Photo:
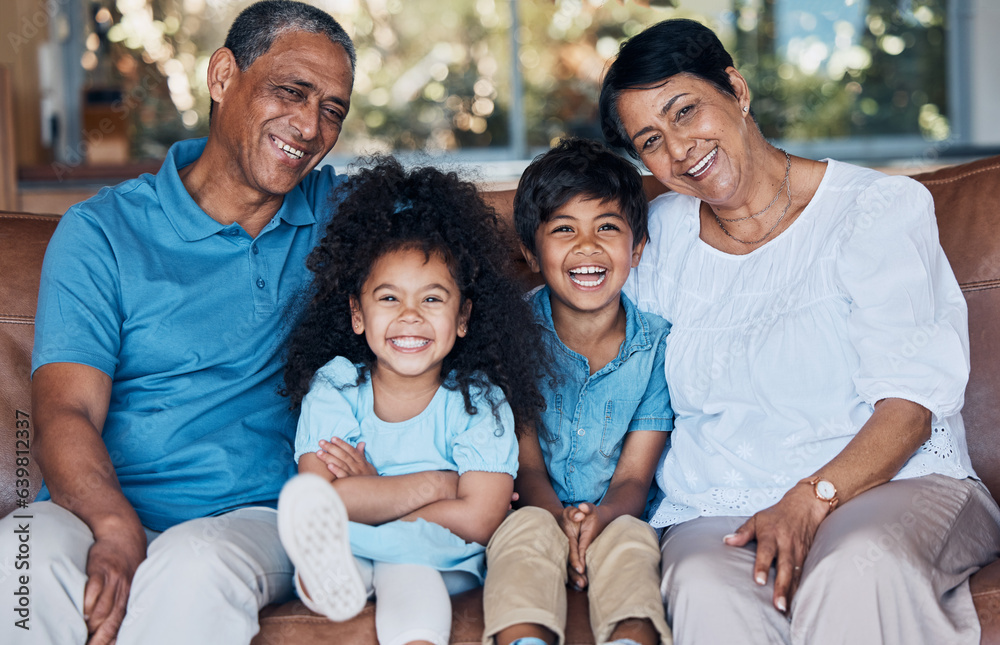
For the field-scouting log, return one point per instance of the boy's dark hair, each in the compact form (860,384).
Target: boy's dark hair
(578,167)
(385,208)
(648,59)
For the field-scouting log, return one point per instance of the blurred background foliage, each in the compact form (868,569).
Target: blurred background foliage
(505,78)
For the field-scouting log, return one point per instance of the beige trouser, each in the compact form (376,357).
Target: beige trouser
(889,566)
(526,576)
(203,581)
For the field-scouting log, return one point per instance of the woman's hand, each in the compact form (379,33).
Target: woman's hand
(344,460)
(784,534)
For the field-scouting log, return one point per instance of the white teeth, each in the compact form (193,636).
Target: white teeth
(588,270)
(698,167)
(589,283)
(292,151)
(409,343)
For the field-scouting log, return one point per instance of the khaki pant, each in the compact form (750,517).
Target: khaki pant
(526,576)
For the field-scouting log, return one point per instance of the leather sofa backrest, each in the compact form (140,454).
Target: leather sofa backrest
(967,198)
(22,245)
(967,202)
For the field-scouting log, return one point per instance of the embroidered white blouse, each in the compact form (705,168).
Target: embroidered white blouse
(776,358)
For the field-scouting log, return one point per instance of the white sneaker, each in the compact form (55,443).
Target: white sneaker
(312,524)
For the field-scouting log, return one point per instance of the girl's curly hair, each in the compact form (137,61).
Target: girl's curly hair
(384,208)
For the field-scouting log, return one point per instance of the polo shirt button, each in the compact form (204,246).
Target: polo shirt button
(260,283)
(581,432)
(256,250)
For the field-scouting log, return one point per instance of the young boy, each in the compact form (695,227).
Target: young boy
(584,476)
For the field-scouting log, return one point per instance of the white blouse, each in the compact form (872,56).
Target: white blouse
(776,357)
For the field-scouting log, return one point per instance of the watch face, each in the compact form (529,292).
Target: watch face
(825,490)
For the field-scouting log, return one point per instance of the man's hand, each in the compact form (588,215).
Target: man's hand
(344,460)
(784,534)
(111,565)
(581,524)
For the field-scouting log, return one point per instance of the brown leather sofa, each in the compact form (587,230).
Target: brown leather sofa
(968,207)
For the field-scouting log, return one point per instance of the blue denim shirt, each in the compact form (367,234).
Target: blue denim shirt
(588,415)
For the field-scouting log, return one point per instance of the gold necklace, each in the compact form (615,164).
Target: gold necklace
(788,191)
(788,167)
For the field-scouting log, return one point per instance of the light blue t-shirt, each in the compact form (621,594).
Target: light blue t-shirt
(588,415)
(189,318)
(442,437)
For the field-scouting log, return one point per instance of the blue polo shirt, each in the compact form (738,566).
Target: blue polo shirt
(189,319)
(588,415)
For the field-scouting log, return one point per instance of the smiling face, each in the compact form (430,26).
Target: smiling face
(584,251)
(282,115)
(410,311)
(694,138)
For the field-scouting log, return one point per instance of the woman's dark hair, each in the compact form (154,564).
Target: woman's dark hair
(578,167)
(385,208)
(648,59)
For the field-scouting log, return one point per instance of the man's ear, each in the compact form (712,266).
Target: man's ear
(637,251)
(531,259)
(357,319)
(463,319)
(222,69)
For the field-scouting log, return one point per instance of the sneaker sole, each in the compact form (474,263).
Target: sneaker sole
(312,525)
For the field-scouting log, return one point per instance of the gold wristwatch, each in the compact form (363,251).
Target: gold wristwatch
(824,490)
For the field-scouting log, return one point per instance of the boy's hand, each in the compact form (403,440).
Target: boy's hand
(344,460)
(582,524)
(577,572)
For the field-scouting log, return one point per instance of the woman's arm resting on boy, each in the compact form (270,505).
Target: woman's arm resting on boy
(627,493)
(374,500)
(481,505)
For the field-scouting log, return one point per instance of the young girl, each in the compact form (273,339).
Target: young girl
(411,365)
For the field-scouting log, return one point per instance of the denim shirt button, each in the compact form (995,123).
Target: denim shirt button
(581,432)
(260,283)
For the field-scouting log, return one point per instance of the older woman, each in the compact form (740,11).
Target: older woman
(818,488)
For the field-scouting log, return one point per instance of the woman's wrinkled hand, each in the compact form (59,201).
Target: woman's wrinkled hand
(784,534)
(344,460)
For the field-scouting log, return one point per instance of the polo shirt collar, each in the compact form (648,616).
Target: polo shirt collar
(188,219)
(636,326)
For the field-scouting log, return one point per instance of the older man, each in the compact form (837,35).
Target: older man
(164,305)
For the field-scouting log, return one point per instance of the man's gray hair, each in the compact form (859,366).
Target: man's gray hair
(256,28)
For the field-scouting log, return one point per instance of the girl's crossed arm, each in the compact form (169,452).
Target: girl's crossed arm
(374,500)
(478,509)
